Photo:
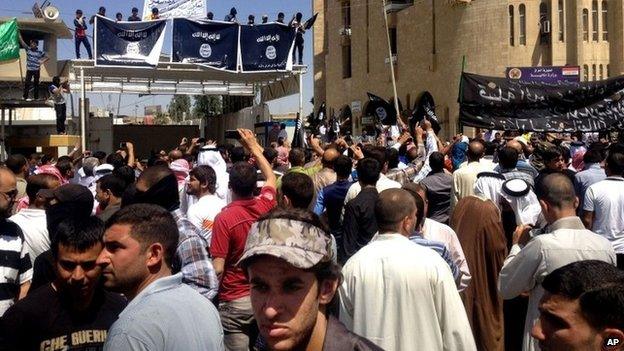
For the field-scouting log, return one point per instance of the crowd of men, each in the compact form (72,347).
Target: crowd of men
(506,241)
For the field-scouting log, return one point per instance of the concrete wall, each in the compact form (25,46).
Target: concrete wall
(245,118)
(432,38)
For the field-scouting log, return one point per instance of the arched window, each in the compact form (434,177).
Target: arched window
(605,21)
(561,14)
(594,72)
(595,20)
(512,24)
(608,71)
(601,70)
(585,25)
(585,73)
(522,17)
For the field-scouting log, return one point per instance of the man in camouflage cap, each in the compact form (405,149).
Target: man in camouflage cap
(288,260)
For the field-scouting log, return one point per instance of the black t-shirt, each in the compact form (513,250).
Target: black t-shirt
(44,321)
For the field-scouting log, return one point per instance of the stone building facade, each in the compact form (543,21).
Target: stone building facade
(430,38)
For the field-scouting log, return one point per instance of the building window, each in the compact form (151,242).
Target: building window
(608,71)
(561,21)
(594,72)
(544,23)
(346,61)
(512,32)
(605,22)
(595,20)
(601,72)
(393,41)
(346,14)
(585,73)
(585,25)
(522,17)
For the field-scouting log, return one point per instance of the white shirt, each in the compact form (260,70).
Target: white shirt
(436,231)
(464,180)
(489,188)
(606,200)
(525,268)
(203,213)
(33,224)
(382,184)
(402,296)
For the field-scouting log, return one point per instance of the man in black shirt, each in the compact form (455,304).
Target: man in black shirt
(74,312)
(359,223)
(135,15)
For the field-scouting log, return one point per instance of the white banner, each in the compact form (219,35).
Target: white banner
(175,8)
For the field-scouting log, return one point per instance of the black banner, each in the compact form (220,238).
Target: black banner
(136,44)
(209,43)
(382,109)
(267,47)
(498,103)
(425,109)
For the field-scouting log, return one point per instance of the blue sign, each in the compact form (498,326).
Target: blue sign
(546,74)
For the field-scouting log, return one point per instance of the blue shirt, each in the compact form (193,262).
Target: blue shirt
(32,59)
(167,315)
(593,173)
(332,198)
(440,248)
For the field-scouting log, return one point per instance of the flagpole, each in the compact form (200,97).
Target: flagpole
(394,88)
(461,86)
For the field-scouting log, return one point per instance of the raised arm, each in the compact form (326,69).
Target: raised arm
(22,42)
(248,140)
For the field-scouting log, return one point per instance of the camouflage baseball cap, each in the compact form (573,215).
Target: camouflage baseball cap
(299,243)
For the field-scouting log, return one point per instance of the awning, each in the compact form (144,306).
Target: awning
(170,78)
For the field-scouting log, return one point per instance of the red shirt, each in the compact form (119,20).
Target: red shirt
(229,234)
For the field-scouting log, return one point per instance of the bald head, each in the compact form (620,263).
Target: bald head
(329,156)
(558,191)
(175,155)
(516,145)
(6,177)
(475,150)
(8,185)
(392,207)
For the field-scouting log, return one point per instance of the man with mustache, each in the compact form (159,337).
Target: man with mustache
(73,312)
(293,278)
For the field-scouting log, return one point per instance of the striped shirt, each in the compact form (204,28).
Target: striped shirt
(441,249)
(14,263)
(192,258)
(32,59)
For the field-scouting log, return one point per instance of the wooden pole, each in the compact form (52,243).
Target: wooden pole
(394,88)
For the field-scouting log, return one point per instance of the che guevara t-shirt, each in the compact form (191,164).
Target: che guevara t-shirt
(43,321)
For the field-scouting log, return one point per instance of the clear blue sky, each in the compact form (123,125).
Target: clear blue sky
(22,8)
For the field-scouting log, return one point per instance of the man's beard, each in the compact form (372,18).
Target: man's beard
(6,212)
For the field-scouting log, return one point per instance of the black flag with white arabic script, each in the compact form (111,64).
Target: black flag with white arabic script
(425,109)
(382,109)
(135,44)
(207,43)
(502,104)
(267,47)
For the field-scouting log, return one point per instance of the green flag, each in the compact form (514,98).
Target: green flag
(9,44)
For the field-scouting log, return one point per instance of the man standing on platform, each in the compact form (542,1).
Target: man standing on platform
(80,34)
(34,59)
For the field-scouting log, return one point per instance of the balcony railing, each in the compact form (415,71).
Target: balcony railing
(398,5)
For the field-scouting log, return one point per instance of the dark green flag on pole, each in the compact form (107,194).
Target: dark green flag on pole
(9,44)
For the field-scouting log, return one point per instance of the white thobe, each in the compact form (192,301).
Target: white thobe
(402,296)
(525,268)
